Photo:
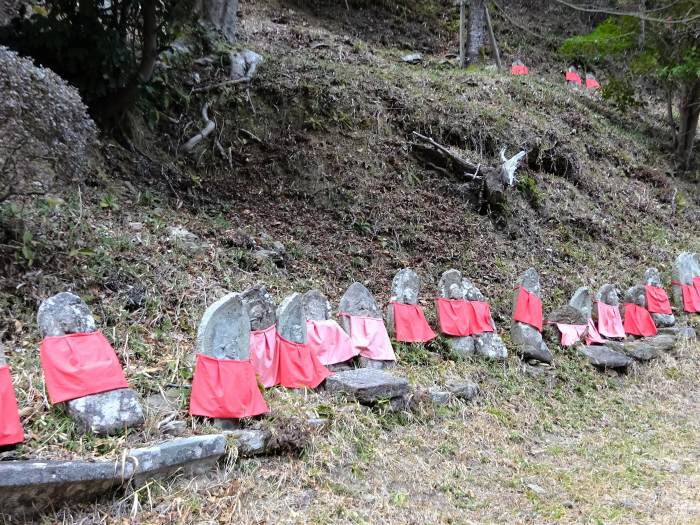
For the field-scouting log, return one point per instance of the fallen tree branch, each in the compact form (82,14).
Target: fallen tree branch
(209,126)
(218,85)
(470,170)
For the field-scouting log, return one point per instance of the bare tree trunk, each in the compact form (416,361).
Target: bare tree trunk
(461,34)
(492,37)
(477,19)
(642,24)
(117,102)
(220,15)
(689,110)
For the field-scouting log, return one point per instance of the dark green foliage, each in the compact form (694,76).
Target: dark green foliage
(612,37)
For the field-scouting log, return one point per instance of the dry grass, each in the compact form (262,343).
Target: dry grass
(571,446)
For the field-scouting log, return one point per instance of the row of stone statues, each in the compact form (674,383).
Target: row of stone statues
(244,341)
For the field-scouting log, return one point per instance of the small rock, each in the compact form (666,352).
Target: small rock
(463,391)
(440,397)
(412,58)
(107,413)
(605,357)
(185,238)
(174,428)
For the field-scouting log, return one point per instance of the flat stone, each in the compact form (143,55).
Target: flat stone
(529,343)
(604,357)
(645,349)
(30,487)
(366,362)
(405,287)
(107,413)
(412,58)
(259,306)
(687,333)
(439,397)
(224,331)
(367,385)
(291,319)
(316,306)
(357,300)
(464,391)
(250,443)
(582,300)
(64,313)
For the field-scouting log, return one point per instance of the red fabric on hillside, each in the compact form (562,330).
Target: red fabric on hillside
(519,70)
(571,333)
(528,309)
(11,431)
(263,355)
(225,388)
(480,317)
(370,338)
(610,321)
(299,365)
(410,324)
(572,76)
(592,83)
(77,365)
(691,297)
(329,342)
(638,321)
(657,300)
(593,337)
(453,316)
(462,318)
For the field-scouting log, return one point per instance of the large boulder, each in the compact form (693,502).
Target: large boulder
(45,128)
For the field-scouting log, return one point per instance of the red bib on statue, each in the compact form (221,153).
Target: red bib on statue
(329,342)
(657,300)
(519,70)
(77,365)
(610,321)
(592,83)
(263,355)
(691,296)
(10,426)
(572,76)
(299,366)
(638,321)
(593,337)
(528,309)
(461,318)
(571,333)
(226,389)
(369,338)
(410,324)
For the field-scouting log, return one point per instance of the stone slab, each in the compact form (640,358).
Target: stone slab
(367,385)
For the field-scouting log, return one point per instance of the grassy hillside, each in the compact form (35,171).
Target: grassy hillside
(317,153)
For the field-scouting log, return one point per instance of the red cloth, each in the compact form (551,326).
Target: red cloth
(225,388)
(691,296)
(462,318)
(329,342)
(572,76)
(610,321)
(11,431)
(519,70)
(369,338)
(657,300)
(263,355)
(299,366)
(571,333)
(592,83)
(528,309)
(410,323)
(593,337)
(638,321)
(77,365)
